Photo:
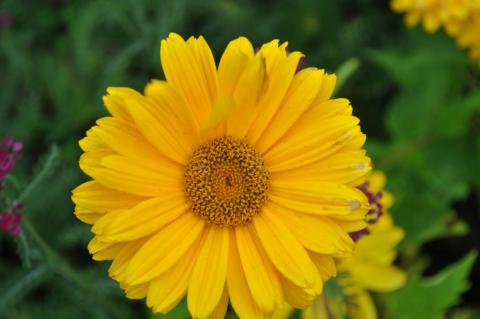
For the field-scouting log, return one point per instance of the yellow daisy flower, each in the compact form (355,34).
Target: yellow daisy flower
(468,35)
(369,269)
(230,184)
(460,18)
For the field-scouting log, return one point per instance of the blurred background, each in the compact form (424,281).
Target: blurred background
(417,95)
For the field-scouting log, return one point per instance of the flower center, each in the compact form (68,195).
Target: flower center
(226,182)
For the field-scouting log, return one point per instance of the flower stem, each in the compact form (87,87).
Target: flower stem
(61,266)
(53,259)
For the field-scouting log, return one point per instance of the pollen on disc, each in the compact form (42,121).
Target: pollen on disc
(226,182)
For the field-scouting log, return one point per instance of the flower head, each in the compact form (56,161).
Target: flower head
(378,198)
(460,18)
(9,154)
(10,221)
(234,183)
(5,19)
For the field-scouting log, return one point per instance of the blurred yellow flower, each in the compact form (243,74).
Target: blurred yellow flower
(460,18)
(234,184)
(369,269)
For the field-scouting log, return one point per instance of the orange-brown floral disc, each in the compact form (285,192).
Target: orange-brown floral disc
(226,182)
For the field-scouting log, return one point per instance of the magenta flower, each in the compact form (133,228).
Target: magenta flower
(5,19)
(375,212)
(10,221)
(9,154)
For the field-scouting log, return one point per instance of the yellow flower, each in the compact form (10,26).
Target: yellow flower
(370,268)
(460,18)
(230,184)
(468,35)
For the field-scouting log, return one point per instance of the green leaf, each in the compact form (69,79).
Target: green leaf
(344,72)
(458,118)
(410,114)
(466,314)
(45,168)
(412,67)
(179,312)
(21,285)
(431,296)
(421,213)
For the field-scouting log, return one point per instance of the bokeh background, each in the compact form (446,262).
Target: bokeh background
(417,95)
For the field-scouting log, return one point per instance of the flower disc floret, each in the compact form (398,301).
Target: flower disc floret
(226,182)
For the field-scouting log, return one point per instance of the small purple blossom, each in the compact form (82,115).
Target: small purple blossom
(5,19)
(10,221)
(356,235)
(376,210)
(9,154)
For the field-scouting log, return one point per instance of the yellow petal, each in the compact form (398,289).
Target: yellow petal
(379,246)
(115,102)
(215,125)
(118,173)
(412,18)
(246,96)
(208,278)
(190,69)
(273,53)
(362,306)
(86,215)
(284,313)
(296,296)
(165,97)
(166,291)
(164,249)
(165,125)
(376,181)
(221,309)
(92,142)
(318,198)
(431,23)
(238,290)
(96,197)
(299,97)
(125,139)
(121,261)
(320,310)
(145,218)
(262,279)
(356,224)
(325,265)
(321,110)
(135,292)
(378,278)
(285,252)
(318,234)
(104,251)
(327,88)
(92,160)
(310,141)
(343,167)
(280,71)
(235,58)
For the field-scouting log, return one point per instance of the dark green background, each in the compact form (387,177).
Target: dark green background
(417,96)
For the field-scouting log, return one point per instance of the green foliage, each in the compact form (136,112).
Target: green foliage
(429,154)
(416,94)
(180,312)
(432,296)
(44,169)
(20,285)
(345,71)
